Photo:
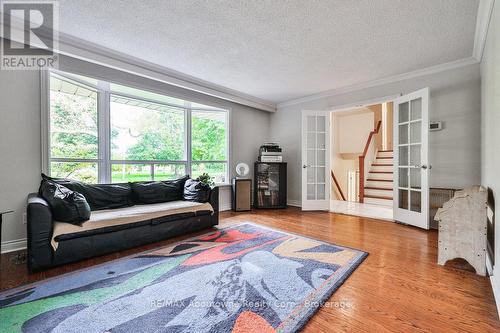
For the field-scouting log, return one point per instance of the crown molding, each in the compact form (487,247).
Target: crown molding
(391,79)
(482,23)
(87,51)
(75,47)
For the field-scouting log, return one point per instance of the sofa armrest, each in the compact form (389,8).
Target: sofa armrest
(214,201)
(40,229)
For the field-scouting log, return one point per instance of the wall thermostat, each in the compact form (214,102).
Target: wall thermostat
(436,126)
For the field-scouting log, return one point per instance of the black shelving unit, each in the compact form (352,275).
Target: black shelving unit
(270,185)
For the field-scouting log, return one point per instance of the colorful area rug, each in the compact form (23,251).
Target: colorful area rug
(239,279)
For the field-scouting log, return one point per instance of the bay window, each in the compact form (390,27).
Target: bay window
(104,132)
(208,144)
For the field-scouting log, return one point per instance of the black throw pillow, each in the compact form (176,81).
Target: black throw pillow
(66,205)
(99,196)
(178,184)
(158,191)
(152,192)
(194,190)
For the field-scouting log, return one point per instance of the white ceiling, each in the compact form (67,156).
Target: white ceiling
(279,50)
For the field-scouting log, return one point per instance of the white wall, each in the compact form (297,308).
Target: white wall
(490,127)
(454,151)
(20,162)
(20,152)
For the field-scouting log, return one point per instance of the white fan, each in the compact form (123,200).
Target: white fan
(242,169)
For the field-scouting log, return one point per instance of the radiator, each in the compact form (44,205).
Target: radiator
(437,198)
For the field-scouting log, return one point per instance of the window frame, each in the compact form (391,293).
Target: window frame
(104,161)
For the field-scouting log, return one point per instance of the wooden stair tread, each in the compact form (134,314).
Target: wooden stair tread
(386,151)
(381,164)
(378,197)
(381,172)
(384,157)
(378,180)
(378,188)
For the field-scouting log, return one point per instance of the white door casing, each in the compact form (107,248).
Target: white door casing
(411,159)
(316,181)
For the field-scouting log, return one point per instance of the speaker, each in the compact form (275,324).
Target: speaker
(242,195)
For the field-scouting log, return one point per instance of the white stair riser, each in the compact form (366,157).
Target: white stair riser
(381,168)
(370,183)
(383,161)
(380,184)
(385,153)
(382,202)
(379,193)
(386,176)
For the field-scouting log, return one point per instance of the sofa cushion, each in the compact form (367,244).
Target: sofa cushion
(196,191)
(101,221)
(157,191)
(99,196)
(66,205)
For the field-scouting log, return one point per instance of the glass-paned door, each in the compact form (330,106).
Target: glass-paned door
(411,162)
(315,160)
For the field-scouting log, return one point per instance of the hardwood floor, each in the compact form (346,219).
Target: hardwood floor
(398,288)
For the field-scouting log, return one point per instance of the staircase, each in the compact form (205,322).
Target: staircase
(378,185)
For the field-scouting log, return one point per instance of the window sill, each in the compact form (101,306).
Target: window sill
(223,185)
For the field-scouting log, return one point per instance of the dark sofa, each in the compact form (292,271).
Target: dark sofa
(71,248)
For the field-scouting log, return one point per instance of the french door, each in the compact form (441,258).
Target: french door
(411,159)
(316,180)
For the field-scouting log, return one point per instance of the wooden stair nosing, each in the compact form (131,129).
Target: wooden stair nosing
(378,197)
(386,151)
(383,157)
(387,172)
(378,180)
(381,164)
(378,188)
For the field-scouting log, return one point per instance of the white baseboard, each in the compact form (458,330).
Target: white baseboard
(225,207)
(495,285)
(295,203)
(489,264)
(494,280)
(14,245)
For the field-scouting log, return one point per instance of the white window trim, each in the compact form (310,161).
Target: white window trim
(104,160)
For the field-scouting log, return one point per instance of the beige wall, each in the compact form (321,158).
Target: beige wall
(377,116)
(350,131)
(340,164)
(377,112)
(353,131)
(390,124)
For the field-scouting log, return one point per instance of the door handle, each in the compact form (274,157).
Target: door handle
(425,167)
(305,166)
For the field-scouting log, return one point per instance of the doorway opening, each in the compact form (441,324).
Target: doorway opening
(361,159)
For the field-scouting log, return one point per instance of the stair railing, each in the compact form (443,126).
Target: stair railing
(365,163)
(337,185)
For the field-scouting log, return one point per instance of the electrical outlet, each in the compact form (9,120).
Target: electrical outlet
(25,218)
